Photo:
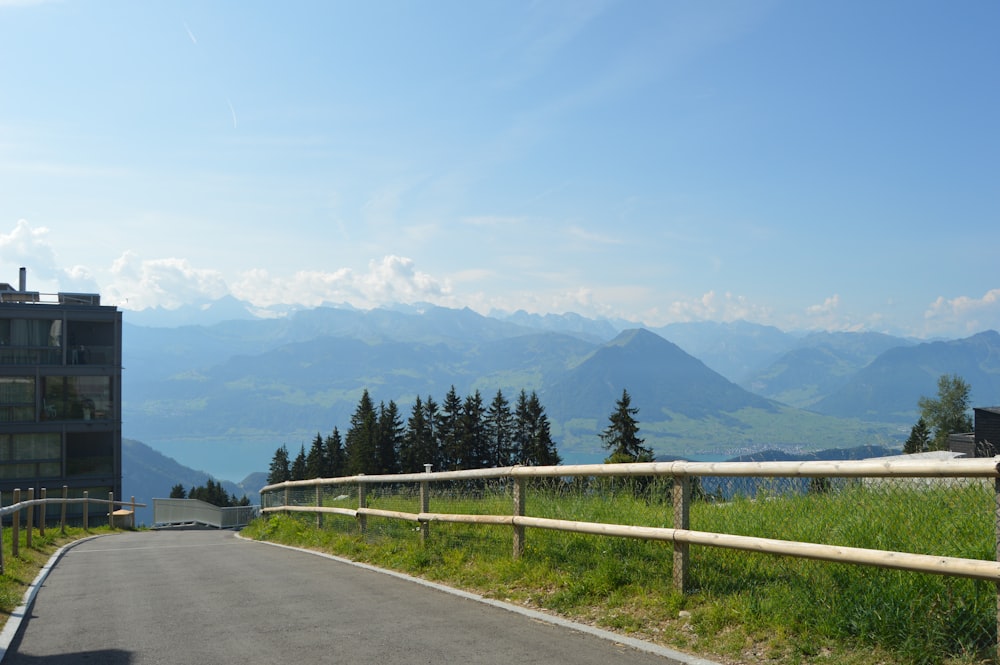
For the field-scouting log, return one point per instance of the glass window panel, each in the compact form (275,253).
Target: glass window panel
(50,469)
(16,471)
(37,446)
(17,389)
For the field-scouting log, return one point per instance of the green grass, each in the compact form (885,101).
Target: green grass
(20,571)
(742,607)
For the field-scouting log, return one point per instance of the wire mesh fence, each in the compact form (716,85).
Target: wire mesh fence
(949,518)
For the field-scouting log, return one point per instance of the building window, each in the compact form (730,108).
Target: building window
(31,342)
(89,453)
(17,399)
(91,343)
(29,456)
(77,397)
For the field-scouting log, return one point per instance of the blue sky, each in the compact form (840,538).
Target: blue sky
(805,164)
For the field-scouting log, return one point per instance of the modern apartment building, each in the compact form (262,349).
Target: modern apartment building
(60,395)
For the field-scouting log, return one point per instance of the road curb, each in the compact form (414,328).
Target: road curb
(677,657)
(16,618)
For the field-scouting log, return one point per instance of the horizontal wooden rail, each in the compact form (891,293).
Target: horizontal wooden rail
(894,468)
(680,535)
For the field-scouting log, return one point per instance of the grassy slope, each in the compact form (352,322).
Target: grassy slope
(744,607)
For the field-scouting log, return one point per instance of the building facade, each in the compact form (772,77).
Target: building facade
(60,395)
(984,440)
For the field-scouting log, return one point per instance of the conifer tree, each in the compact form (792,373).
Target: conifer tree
(280,469)
(473,453)
(316,458)
(433,450)
(621,436)
(919,440)
(360,444)
(532,433)
(177,492)
(417,446)
(335,463)
(498,424)
(449,430)
(390,435)
(299,464)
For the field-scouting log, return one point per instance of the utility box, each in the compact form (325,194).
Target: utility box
(123,519)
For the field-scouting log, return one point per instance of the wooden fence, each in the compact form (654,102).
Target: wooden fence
(985,471)
(27,506)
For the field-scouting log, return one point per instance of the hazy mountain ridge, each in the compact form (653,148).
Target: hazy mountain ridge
(890,385)
(818,365)
(254,385)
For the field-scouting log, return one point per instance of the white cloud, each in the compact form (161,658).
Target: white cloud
(963,315)
(393,279)
(168,283)
(710,306)
(29,247)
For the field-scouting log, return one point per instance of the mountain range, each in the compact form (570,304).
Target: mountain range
(225,394)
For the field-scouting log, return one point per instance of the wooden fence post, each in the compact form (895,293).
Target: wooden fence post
(319,504)
(42,510)
(30,520)
(518,512)
(15,543)
(1,536)
(111,510)
(425,505)
(62,516)
(362,503)
(682,520)
(996,522)
(86,510)
(131,518)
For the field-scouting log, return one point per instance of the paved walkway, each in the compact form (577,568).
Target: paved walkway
(210,597)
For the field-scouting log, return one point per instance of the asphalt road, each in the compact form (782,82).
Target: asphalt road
(211,598)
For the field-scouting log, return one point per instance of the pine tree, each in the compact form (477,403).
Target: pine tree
(299,465)
(177,492)
(473,453)
(335,464)
(360,445)
(621,436)
(449,430)
(280,470)
(390,434)
(533,433)
(949,413)
(919,440)
(417,446)
(521,431)
(498,424)
(315,466)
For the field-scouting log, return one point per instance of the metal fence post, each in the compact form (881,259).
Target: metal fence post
(518,512)
(682,520)
(362,503)
(15,542)
(111,510)
(86,510)
(42,510)
(132,516)
(62,516)
(425,505)
(30,518)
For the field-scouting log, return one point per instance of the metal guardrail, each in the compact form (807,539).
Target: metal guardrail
(183,512)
